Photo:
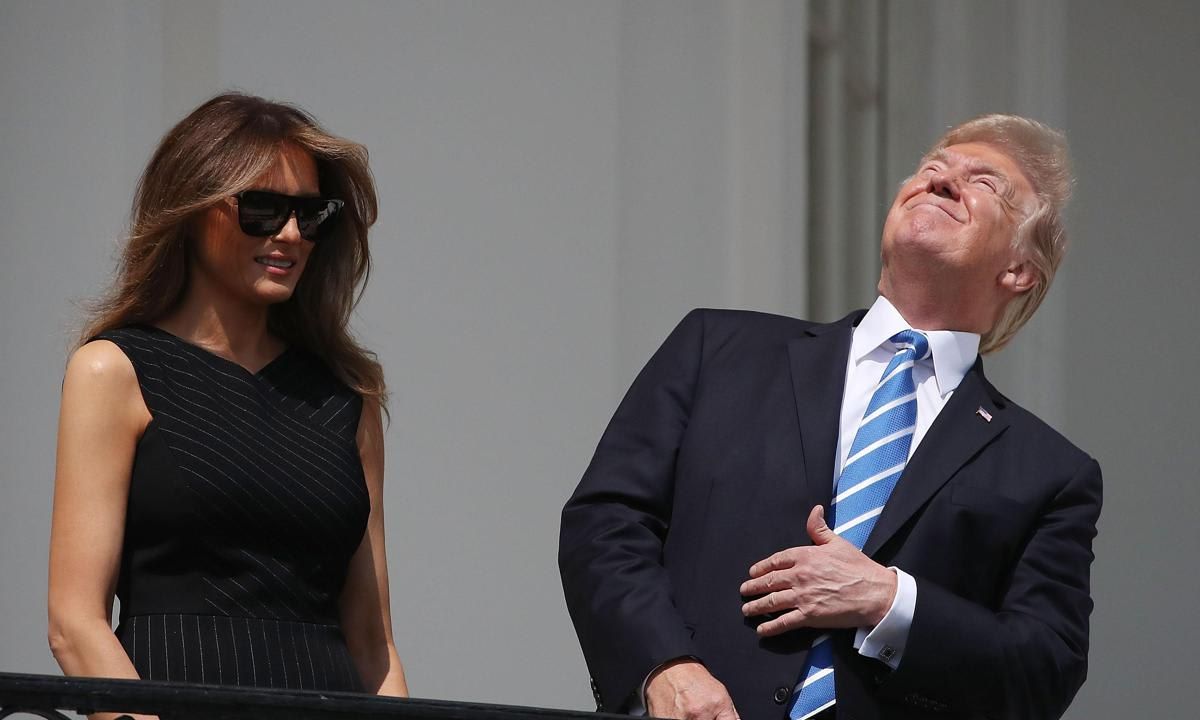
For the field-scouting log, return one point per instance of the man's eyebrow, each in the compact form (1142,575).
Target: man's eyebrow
(938,155)
(983,166)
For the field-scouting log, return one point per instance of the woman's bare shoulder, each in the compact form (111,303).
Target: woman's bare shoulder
(101,362)
(100,372)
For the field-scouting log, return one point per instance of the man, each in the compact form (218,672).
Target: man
(697,554)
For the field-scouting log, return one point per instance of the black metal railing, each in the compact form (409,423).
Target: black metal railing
(49,696)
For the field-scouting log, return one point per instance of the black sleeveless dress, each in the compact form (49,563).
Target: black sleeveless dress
(246,502)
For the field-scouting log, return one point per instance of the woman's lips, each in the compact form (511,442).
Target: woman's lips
(276,265)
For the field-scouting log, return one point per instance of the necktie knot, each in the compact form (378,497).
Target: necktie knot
(913,340)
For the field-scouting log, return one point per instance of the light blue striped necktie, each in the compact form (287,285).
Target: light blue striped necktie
(875,462)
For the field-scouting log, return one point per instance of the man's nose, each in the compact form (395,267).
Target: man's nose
(944,184)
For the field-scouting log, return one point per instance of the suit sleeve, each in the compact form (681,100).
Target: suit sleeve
(614,526)
(1028,658)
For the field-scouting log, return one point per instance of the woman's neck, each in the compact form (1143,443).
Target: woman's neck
(225,327)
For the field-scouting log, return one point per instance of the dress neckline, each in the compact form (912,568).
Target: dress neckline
(212,356)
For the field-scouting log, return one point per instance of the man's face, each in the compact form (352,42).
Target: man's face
(955,220)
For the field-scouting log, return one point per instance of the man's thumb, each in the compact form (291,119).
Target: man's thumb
(817,529)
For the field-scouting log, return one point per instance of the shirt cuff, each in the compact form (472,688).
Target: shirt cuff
(885,642)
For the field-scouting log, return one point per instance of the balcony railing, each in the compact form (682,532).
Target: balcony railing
(49,696)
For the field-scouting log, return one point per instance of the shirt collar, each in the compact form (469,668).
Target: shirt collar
(953,352)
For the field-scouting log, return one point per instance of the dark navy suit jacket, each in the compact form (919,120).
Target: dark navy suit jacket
(713,461)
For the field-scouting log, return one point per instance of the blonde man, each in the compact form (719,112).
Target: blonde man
(791,519)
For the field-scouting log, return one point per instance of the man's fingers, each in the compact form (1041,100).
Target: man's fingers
(717,705)
(779,561)
(783,623)
(727,713)
(720,707)
(774,602)
(764,584)
(721,710)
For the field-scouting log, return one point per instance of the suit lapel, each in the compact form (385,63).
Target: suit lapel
(818,364)
(958,434)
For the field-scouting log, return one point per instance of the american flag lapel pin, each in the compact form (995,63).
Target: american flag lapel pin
(984,414)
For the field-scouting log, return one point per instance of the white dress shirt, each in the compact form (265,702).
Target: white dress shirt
(953,354)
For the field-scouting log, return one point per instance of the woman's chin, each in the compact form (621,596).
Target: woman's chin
(273,293)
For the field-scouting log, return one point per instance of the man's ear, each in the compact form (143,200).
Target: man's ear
(1020,277)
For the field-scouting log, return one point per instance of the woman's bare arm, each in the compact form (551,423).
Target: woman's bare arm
(365,606)
(101,418)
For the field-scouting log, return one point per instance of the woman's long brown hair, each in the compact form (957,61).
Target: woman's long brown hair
(221,148)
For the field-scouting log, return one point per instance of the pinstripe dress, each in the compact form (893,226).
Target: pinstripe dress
(246,502)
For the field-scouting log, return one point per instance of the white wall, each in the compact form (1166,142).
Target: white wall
(1131,341)
(74,129)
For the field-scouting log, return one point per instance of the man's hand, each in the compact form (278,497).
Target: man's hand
(685,689)
(831,584)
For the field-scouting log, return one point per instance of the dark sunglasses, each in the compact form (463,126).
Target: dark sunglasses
(262,213)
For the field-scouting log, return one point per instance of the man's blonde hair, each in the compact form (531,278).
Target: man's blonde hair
(1040,152)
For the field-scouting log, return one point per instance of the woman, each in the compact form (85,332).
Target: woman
(220,447)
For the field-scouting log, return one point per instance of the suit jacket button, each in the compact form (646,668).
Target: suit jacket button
(782,694)
(596,696)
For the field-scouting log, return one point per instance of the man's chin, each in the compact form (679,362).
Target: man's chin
(918,249)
